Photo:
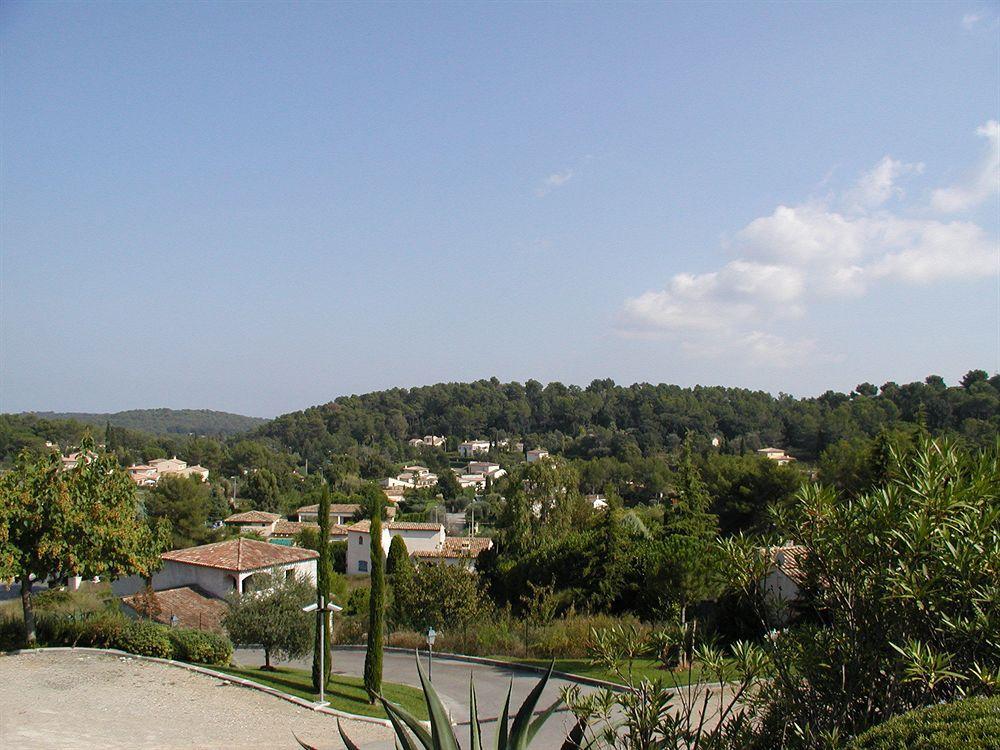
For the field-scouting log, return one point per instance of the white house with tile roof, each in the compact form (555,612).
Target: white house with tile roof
(221,568)
(424,542)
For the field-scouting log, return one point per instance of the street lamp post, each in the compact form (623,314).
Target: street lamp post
(431,635)
(327,608)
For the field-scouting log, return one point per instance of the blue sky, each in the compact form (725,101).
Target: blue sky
(259,207)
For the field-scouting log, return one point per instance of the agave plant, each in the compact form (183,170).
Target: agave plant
(411,734)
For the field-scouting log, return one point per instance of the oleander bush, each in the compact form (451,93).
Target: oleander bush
(971,724)
(200,646)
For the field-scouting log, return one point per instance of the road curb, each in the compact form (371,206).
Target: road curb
(242,682)
(512,665)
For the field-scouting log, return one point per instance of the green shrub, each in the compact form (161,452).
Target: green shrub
(145,638)
(200,646)
(11,632)
(971,724)
(99,629)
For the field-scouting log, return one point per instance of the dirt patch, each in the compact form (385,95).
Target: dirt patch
(74,701)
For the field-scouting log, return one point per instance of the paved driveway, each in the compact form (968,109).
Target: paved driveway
(451,680)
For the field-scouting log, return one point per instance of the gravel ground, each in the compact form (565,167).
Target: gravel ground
(72,701)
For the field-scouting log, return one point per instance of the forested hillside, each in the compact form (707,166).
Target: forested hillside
(166,421)
(605,419)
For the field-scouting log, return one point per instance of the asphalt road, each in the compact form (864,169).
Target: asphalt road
(451,680)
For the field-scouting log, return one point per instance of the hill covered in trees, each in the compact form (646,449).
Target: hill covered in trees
(606,419)
(165,421)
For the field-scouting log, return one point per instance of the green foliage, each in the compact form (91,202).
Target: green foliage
(338,557)
(262,490)
(398,561)
(272,618)
(439,596)
(358,601)
(200,646)
(376,606)
(184,502)
(970,724)
(906,578)
(166,421)
(85,521)
(146,639)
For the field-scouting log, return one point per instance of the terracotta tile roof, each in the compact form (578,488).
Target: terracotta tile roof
(252,516)
(291,528)
(364,526)
(193,607)
(240,555)
(338,508)
(458,547)
(789,559)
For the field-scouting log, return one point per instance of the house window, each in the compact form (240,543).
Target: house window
(289,574)
(362,566)
(359,540)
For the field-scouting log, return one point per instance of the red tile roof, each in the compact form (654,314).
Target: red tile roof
(364,526)
(339,508)
(458,547)
(193,607)
(291,528)
(789,559)
(252,516)
(240,555)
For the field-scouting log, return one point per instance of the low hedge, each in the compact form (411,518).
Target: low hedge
(971,724)
(200,646)
(111,629)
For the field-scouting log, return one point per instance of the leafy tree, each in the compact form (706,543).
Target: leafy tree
(972,377)
(447,484)
(323,591)
(376,608)
(272,618)
(185,503)
(85,521)
(262,489)
(338,557)
(440,596)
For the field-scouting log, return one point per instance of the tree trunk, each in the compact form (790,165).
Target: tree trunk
(29,612)
(267,658)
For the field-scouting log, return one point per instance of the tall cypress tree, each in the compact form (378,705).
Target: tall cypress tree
(323,581)
(376,607)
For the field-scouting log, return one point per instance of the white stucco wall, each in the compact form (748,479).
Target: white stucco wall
(215,581)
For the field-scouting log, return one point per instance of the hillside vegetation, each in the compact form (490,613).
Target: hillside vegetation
(606,419)
(165,421)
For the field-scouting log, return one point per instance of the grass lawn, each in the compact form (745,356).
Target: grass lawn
(648,668)
(344,693)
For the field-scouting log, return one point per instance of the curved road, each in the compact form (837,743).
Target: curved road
(451,680)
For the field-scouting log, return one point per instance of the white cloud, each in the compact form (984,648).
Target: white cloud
(878,185)
(803,253)
(969,20)
(553,181)
(983,182)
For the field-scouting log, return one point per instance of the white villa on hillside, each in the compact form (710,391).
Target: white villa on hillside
(221,568)
(775,454)
(258,521)
(423,541)
(470,448)
(428,441)
(147,475)
(340,514)
(536,454)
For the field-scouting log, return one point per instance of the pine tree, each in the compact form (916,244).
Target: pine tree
(323,580)
(690,514)
(376,608)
